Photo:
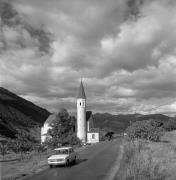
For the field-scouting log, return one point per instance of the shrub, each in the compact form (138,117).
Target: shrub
(23,143)
(170,125)
(148,129)
(4,147)
(103,138)
(109,135)
(71,140)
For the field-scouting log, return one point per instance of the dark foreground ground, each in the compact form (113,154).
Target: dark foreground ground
(94,163)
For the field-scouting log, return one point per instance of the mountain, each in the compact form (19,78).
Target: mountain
(119,123)
(18,114)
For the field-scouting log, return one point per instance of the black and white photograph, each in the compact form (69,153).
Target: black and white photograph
(87,90)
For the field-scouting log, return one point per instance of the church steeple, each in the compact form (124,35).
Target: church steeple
(81,94)
(81,114)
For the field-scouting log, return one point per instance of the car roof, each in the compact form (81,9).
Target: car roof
(61,148)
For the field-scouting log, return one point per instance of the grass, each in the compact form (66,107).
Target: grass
(143,160)
(18,168)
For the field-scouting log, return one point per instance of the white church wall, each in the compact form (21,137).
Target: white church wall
(44,131)
(92,137)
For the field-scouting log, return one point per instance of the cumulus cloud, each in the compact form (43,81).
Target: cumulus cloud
(124,51)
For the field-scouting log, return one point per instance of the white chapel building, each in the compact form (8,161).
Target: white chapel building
(85,125)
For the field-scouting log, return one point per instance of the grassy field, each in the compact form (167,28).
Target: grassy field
(144,160)
(18,169)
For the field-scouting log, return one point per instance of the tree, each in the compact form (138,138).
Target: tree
(3,147)
(39,148)
(23,143)
(109,135)
(14,145)
(147,129)
(170,125)
(62,130)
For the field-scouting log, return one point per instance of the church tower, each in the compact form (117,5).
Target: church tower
(81,114)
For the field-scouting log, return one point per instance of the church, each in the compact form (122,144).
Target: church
(85,129)
(85,126)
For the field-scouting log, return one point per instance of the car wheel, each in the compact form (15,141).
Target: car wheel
(74,161)
(67,163)
(50,166)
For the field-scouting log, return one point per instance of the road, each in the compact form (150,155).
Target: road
(94,163)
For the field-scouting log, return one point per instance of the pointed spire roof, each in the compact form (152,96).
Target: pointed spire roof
(81,94)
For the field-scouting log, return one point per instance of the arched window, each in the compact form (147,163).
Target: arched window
(93,136)
(80,103)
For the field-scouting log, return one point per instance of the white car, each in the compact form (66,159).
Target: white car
(62,156)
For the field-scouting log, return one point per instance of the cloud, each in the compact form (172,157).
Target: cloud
(141,43)
(124,51)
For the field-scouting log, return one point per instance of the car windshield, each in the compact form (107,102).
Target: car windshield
(62,151)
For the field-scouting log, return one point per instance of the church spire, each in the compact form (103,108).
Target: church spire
(81,94)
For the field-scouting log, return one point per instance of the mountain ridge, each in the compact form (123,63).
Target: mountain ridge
(118,123)
(18,114)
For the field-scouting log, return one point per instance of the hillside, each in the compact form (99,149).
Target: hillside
(17,114)
(119,123)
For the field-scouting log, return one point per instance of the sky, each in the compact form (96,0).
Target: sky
(124,51)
